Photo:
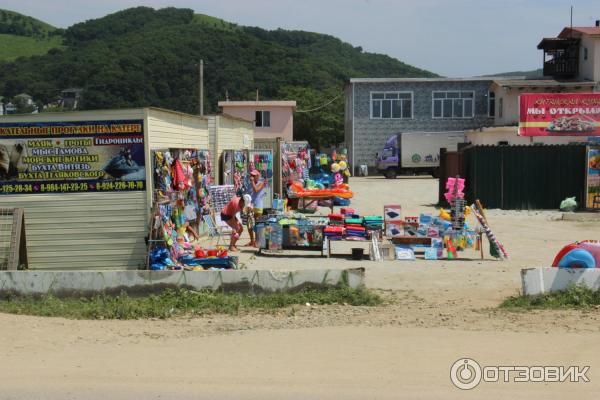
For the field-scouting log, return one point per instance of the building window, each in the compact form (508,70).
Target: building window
(262,119)
(500,106)
(453,104)
(585,53)
(491,104)
(391,105)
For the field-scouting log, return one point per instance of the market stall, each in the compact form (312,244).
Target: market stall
(348,226)
(314,180)
(182,184)
(84,180)
(228,133)
(262,161)
(448,230)
(236,166)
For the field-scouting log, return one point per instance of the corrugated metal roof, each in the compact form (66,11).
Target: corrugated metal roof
(274,103)
(43,116)
(407,80)
(541,82)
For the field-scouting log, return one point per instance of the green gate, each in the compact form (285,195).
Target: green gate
(524,177)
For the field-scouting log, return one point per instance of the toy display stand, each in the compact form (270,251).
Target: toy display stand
(327,244)
(320,245)
(303,201)
(411,240)
(322,249)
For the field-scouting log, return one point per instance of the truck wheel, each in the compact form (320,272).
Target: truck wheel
(390,173)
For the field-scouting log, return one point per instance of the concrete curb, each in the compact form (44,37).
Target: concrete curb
(86,283)
(581,216)
(542,280)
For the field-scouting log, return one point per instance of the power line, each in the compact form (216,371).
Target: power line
(324,105)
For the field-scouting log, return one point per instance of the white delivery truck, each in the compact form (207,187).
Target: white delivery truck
(413,152)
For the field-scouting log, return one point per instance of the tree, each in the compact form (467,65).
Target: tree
(23,104)
(144,57)
(319,116)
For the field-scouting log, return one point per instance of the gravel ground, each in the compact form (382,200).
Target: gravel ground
(434,313)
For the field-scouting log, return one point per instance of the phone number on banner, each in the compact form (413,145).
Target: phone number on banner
(71,187)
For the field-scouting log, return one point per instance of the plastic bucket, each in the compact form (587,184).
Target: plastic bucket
(211,252)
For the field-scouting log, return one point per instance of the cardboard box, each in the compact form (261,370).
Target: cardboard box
(392,213)
(393,230)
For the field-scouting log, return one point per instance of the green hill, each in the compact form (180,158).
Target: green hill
(21,25)
(13,46)
(23,36)
(146,57)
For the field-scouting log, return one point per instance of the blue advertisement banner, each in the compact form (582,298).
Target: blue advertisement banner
(72,157)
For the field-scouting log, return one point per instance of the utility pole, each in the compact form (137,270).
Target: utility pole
(201,84)
(571,19)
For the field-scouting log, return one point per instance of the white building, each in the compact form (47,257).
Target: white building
(571,64)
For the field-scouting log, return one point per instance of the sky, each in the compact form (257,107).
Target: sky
(454,38)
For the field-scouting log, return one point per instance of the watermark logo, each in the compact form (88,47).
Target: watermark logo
(466,373)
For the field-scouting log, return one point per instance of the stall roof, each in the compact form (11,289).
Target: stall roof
(266,103)
(108,110)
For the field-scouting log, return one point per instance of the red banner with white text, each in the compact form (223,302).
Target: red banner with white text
(559,114)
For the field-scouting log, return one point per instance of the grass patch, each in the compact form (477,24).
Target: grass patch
(215,22)
(180,302)
(13,46)
(574,297)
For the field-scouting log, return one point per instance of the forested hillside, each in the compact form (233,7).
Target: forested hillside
(22,36)
(146,57)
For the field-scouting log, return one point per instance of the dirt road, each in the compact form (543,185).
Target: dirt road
(436,312)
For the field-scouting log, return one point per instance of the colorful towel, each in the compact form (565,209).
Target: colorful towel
(350,221)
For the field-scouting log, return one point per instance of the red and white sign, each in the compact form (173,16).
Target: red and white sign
(559,114)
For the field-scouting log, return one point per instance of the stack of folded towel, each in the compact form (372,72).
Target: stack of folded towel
(356,231)
(347,210)
(336,219)
(353,221)
(373,222)
(333,232)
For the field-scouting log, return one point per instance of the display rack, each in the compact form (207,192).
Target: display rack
(273,237)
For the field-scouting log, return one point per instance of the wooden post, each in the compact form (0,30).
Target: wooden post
(443,176)
(480,238)
(201,88)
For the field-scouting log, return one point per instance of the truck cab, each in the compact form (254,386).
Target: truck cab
(388,159)
(387,162)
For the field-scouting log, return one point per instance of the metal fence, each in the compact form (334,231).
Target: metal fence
(524,177)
